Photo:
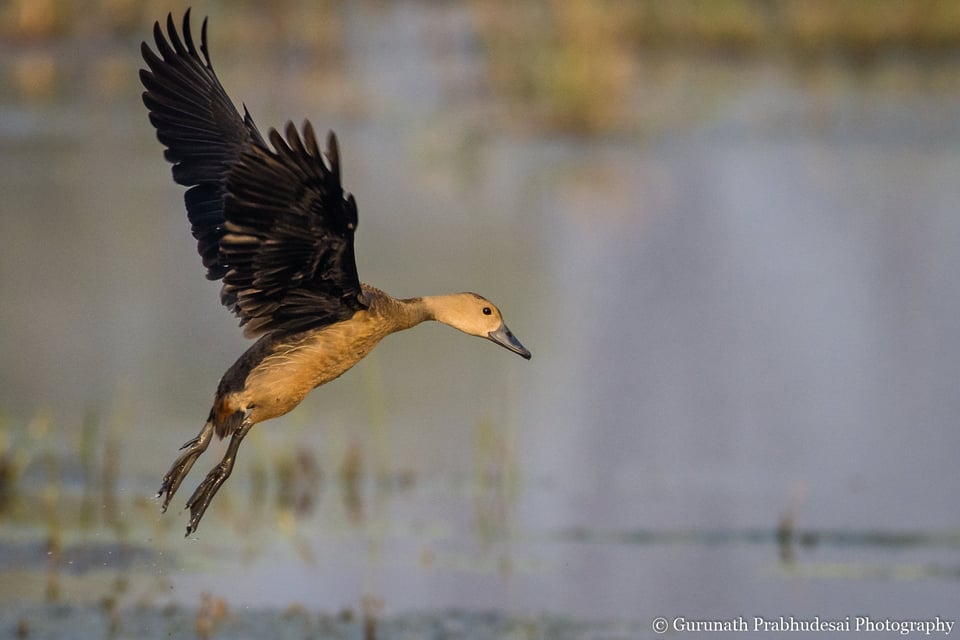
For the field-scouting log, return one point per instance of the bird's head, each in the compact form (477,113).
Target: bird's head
(475,315)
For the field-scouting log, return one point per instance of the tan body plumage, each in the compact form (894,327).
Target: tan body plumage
(278,371)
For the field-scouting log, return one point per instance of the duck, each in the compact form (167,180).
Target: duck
(273,223)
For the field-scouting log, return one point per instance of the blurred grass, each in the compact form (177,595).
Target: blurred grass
(860,27)
(572,66)
(804,27)
(557,66)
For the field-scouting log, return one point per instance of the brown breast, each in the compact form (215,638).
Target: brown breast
(284,375)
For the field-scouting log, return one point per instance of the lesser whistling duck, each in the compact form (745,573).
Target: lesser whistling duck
(273,223)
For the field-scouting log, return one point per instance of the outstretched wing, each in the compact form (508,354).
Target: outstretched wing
(273,224)
(203,133)
(289,237)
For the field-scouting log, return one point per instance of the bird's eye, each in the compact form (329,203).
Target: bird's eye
(487,311)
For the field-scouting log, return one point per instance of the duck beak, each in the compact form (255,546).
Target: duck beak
(505,338)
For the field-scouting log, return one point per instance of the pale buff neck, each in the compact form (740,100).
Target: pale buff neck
(400,313)
(404,313)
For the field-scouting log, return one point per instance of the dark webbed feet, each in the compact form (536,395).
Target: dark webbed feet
(204,493)
(181,466)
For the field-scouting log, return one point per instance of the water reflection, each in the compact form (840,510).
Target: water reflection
(742,306)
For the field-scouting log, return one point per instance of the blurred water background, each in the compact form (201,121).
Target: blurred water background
(728,231)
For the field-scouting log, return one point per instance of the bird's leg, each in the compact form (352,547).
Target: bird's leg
(204,493)
(181,466)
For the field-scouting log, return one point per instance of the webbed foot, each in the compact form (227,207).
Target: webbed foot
(204,493)
(182,465)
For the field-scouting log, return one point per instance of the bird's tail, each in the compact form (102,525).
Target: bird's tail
(225,420)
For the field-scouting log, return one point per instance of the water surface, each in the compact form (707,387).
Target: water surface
(742,313)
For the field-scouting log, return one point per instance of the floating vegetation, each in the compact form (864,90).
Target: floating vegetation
(166,623)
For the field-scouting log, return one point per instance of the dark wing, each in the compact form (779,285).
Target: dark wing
(202,130)
(289,237)
(273,224)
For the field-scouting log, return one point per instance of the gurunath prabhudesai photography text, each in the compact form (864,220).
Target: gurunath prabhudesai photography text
(935,625)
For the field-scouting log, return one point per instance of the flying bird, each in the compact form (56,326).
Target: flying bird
(273,223)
